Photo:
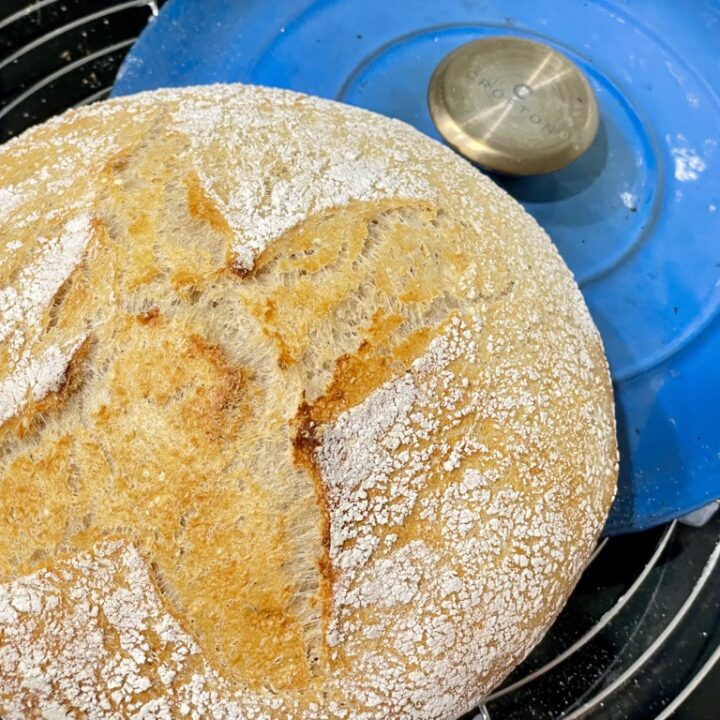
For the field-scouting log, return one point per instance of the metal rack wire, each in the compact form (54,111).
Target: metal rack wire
(639,636)
(656,610)
(56,54)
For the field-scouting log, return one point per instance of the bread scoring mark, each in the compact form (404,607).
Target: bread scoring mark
(355,378)
(305,444)
(50,397)
(302,181)
(375,362)
(378,358)
(237,269)
(301,250)
(23,305)
(374,463)
(202,206)
(57,302)
(285,358)
(390,421)
(151,195)
(179,421)
(34,378)
(317,270)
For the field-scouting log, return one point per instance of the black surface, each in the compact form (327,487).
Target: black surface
(649,610)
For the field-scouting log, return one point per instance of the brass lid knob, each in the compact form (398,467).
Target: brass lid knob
(514,106)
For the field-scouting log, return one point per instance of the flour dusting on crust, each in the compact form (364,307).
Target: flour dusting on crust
(22,306)
(438,599)
(83,637)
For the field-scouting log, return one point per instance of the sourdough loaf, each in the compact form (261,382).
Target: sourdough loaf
(300,416)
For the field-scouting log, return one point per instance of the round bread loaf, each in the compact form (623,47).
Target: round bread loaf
(300,416)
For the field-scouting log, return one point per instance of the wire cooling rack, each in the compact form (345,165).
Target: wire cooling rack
(55,54)
(640,637)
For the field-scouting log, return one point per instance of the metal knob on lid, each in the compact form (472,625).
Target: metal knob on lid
(513,105)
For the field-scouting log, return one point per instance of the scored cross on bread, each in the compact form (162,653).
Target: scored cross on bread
(300,416)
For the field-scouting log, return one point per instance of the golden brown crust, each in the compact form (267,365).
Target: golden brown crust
(297,383)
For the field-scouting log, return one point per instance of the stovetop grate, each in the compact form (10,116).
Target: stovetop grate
(639,638)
